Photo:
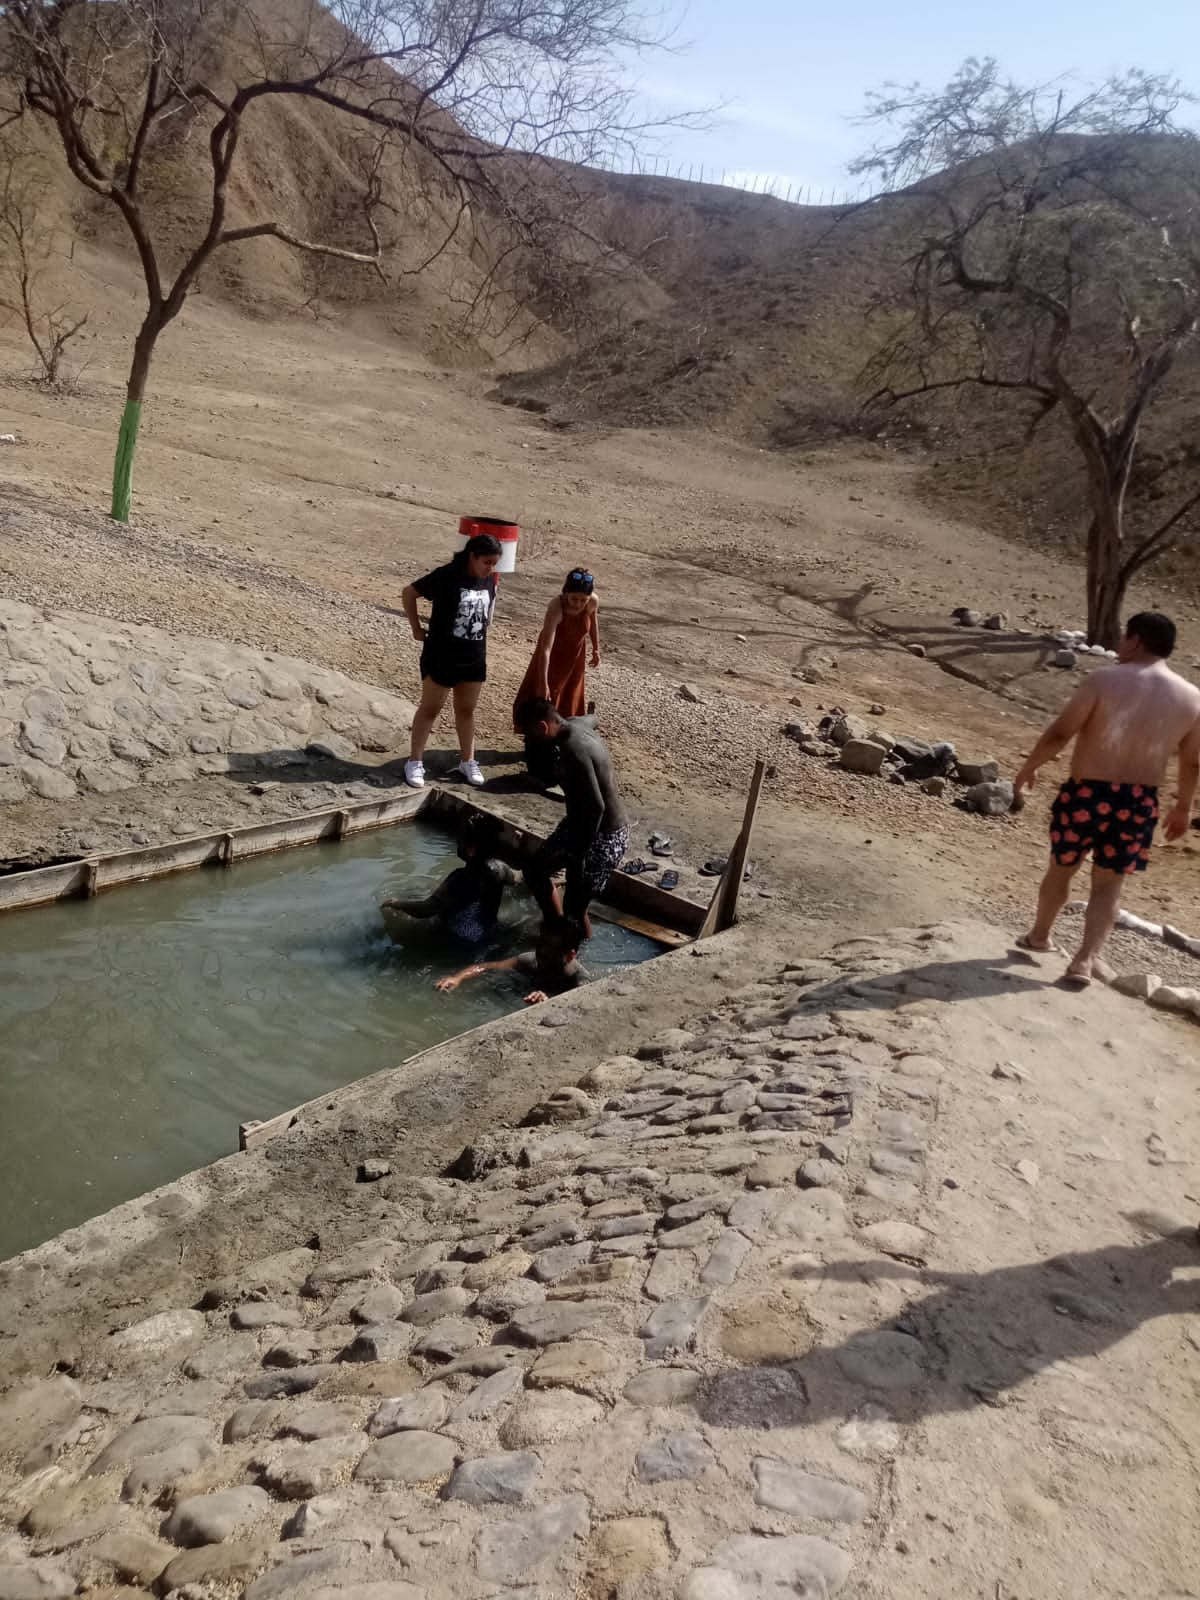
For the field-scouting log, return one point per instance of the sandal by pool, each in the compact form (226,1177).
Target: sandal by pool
(669,880)
(633,868)
(713,869)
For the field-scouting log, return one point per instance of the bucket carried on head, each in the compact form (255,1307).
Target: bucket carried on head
(507,532)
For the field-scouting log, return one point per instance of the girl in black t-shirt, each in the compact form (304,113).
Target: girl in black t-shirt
(462,595)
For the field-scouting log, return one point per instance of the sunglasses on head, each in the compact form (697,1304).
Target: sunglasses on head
(579,579)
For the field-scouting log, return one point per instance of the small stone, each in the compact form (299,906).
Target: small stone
(497,1269)
(489,1396)
(411,1456)
(917,650)
(548,1417)
(889,1191)
(895,1164)
(672,1326)
(213,1518)
(131,1557)
(577,1364)
(817,1174)
(770,1569)
(869,1436)
(667,1043)
(145,1439)
(803,1494)
(624,1227)
(771,1172)
(551,1265)
(990,799)
(533,1544)
(976,772)
(505,1479)
(934,786)
(863,756)
(374,1168)
(293,1350)
(250,1421)
(296,1380)
(447,1339)
(676,1456)
(899,1239)
(1173,997)
(882,1359)
(623,1550)
(552,1323)
(323,1419)
(424,1411)
(501,1303)
(816,1216)
(1138,985)
(427,1308)
(161,1335)
(381,1304)
(264,1314)
(34,1580)
(1064,658)
(725,1261)
(302,1471)
(693,1236)
(692,696)
(234,1562)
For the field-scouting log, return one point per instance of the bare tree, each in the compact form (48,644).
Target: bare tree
(28,246)
(479,101)
(1056,263)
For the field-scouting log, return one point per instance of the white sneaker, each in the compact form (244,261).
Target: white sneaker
(470,770)
(414,774)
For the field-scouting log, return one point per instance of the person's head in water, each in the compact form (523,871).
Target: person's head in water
(481,556)
(538,719)
(577,590)
(557,944)
(478,838)
(1149,635)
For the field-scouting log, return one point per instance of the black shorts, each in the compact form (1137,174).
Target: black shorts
(448,673)
(1115,821)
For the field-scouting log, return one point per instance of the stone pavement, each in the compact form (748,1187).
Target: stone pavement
(91,706)
(681,1335)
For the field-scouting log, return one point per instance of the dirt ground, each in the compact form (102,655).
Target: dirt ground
(292,476)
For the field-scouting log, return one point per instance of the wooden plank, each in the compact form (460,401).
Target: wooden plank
(670,937)
(722,912)
(42,885)
(155,861)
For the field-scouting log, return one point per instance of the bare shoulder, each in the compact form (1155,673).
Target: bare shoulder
(554,609)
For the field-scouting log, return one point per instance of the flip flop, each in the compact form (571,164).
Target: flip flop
(1022,942)
(1075,980)
(633,868)
(713,869)
(669,880)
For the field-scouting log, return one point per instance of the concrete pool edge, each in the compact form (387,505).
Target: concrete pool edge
(97,874)
(254,1171)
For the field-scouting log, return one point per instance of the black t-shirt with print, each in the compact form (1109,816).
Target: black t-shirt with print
(456,647)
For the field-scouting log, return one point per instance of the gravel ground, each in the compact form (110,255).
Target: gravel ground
(1130,951)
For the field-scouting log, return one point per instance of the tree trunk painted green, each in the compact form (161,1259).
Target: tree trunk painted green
(122,495)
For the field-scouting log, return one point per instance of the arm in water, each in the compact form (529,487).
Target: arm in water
(475,970)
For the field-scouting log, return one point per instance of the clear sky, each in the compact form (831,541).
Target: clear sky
(793,75)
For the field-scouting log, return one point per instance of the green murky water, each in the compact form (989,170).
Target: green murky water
(139,1029)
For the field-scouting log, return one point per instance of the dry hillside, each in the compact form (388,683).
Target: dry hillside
(694,305)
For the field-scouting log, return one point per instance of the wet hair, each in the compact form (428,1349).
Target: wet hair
(531,712)
(1153,631)
(579,581)
(478,833)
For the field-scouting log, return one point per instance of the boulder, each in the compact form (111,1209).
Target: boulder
(975,772)
(1064,658)
(863,756)
(990,799)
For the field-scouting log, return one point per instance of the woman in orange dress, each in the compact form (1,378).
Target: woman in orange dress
(557,671)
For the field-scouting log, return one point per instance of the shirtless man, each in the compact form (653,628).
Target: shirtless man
(1127,722)
(591,839)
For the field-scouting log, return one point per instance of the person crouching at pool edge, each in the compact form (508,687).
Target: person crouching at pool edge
(552,966)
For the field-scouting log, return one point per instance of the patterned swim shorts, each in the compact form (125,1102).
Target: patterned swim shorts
(600,860)
(1115,821)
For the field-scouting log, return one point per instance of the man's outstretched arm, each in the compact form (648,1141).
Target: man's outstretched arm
(1180,815)
(1058,735)
(475,970)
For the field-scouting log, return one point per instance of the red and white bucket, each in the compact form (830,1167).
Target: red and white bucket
(506,532)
